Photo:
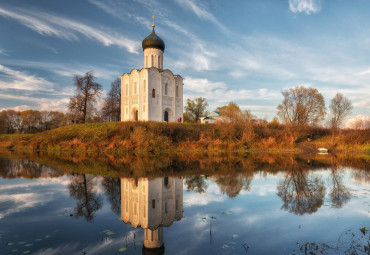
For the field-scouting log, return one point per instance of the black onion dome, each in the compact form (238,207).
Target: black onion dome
(153,41)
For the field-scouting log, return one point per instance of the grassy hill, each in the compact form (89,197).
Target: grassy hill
(117,137)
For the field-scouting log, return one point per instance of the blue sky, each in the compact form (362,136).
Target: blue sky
(246,51)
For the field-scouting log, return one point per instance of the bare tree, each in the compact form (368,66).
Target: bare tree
(340,108)
(194,109)
(111,109)
(301,106)
(87,93)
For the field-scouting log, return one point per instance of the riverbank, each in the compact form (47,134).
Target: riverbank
(142,137)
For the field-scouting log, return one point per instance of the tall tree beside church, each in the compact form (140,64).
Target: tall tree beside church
(194,109)
(82,105)
(111,110)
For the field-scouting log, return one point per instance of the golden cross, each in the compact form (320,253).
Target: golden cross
(153,21)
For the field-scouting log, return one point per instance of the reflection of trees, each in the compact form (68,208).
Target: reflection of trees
(339,193)
(83,188)
(362,176)
(232,184)
(196,183)
(301,192)
(112,188)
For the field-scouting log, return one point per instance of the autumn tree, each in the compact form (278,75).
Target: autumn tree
(3,123)
(340,108)
(301,106)
(82,105)
(52,119)
(194,109)
(31,121)
(111,110)
(233,113)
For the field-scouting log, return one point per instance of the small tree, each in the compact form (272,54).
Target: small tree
(233,113)
(340,108)
(194,109)
(111,109)
(301,106)
(87,93)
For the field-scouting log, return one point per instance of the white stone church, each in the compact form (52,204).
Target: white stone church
(152,93)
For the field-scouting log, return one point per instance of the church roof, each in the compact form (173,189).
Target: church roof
(153,41)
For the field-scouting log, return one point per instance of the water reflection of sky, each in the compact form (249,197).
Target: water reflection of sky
(38,215)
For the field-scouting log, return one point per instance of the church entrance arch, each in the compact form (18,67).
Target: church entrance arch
(167,115)
(135,114)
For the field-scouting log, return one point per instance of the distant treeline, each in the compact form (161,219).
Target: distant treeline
(30,121)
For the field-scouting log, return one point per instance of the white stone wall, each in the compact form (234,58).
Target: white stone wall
(153,58)
(137,87)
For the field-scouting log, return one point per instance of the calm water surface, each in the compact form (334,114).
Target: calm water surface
(233,206)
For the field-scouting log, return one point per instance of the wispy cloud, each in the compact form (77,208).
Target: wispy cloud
(306,6)
(201,12)
(53,25)
(218,93)
(31,91)
(14,79)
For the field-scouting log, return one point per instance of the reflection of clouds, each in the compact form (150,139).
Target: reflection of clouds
(63,249)
(106,246)
(24,201)
(212,194)
(19,195)
(35,183)
(202,199)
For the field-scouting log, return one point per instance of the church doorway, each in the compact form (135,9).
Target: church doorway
(135,114)
(166,116)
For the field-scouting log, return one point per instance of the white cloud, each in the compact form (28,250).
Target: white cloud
(202,85)
(18,108)
(53,25)
(29,88)
(360,122)
(13,79)
(306,6)
(219,91)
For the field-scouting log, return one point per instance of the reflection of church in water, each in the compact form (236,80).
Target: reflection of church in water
(151,205)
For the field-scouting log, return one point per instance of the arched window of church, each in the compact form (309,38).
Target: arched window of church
(144,86)
(153,93)
(166,89)
(152,60)
(177,91)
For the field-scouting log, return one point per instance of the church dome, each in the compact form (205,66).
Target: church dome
(153,41)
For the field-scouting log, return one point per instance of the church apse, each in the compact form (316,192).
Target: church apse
(152,205)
